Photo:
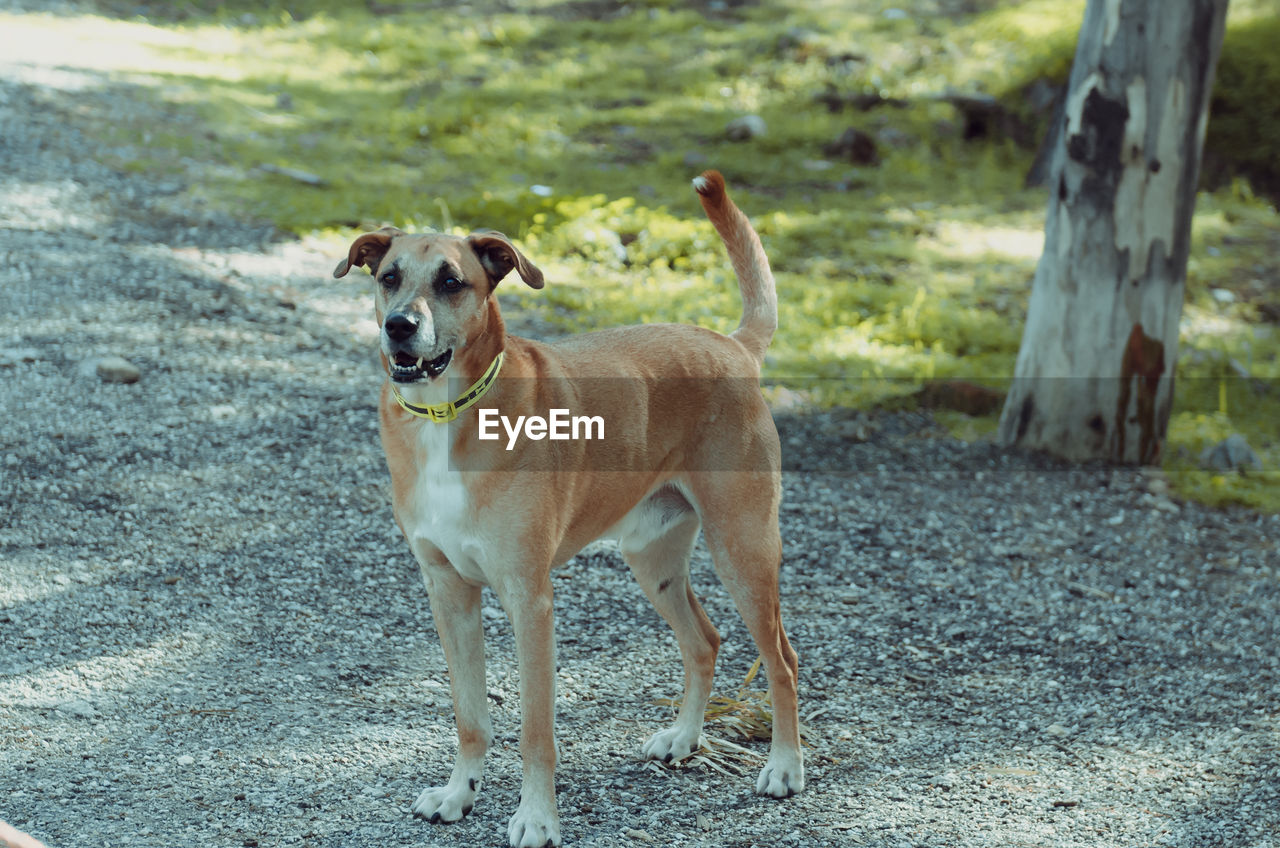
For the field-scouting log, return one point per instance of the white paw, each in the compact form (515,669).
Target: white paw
(534,826)
(446,803)
(782,776)
(671,745)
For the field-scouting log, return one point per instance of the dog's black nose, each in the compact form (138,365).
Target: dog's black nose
(401,325)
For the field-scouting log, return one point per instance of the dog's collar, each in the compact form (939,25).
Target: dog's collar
(443,413)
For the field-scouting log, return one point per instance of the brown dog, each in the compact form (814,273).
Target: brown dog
(687,441)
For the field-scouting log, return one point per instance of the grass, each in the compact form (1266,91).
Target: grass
(746,715)
(576,128)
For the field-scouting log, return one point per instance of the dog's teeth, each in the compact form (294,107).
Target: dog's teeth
(420,361)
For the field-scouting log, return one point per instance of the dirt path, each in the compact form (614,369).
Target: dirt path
(211,634)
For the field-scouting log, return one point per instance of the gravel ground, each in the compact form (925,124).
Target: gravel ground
(212,634)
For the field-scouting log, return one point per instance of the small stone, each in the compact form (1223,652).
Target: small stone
(640,835)
(857,429)
(77,709)
(944,781)
(117,369)
(295,174)
(16,355)
(186,760)
(695,160)
(1056,730)
(745,128)
(854,145)
(1231,454)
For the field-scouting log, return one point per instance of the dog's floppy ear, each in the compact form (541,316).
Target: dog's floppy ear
(367,250)
(498,256)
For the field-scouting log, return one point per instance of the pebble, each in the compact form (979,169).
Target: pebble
(945,781)
(1231,454)
(10,357)
(745,128)
(117,369)
(855,146)
(77,709)
(695,160)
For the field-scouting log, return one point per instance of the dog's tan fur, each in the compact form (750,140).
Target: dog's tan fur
(706,458)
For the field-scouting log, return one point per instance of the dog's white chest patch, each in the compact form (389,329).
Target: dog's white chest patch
(440,508)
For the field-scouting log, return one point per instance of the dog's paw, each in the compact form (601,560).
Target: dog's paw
(782,776)
(671,745)
(534,826)
(447,803)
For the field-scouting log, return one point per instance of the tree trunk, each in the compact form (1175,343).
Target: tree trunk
(1094,375)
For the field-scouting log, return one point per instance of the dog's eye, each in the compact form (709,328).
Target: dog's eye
(452,284)
(391,279)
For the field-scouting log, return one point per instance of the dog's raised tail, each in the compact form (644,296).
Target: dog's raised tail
(755,279)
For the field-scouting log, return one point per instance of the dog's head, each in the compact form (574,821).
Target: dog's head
(432,291)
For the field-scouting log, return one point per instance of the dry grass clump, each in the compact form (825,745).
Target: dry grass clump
(746,715)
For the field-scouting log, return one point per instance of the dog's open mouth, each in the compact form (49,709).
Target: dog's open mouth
(409,369)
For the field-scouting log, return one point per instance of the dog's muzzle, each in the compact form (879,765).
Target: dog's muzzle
(406,368)
(406,365)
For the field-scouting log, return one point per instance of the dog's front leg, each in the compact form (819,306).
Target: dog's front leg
(455,606)
(527,599)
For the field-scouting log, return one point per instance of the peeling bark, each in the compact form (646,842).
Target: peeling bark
(1094,375)
(1141,369)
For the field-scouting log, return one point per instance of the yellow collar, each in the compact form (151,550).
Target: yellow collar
(445,412)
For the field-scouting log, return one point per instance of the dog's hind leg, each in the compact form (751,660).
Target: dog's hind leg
(658,554)
(455,607)
(740,512)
